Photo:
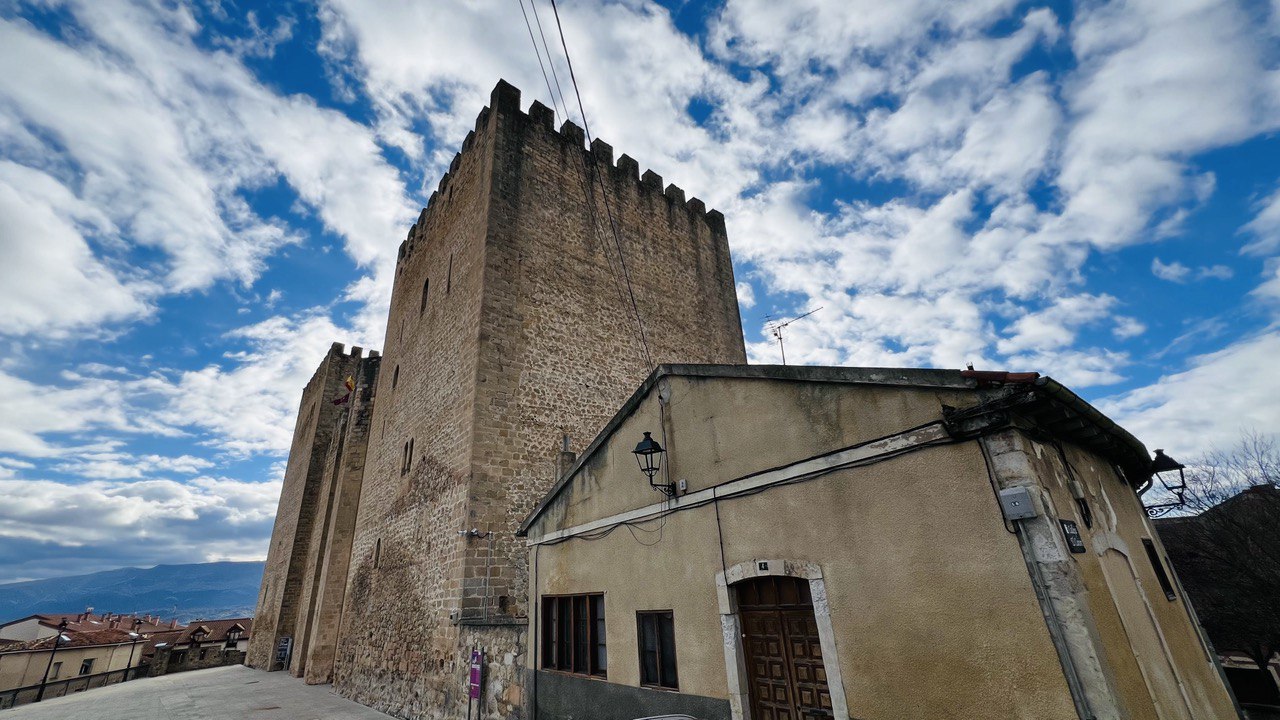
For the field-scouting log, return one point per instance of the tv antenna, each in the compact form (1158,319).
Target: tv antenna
(775,329)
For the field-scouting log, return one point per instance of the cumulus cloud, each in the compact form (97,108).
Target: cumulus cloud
(90,525)
(1179,273)
(127,135)
(1174,413)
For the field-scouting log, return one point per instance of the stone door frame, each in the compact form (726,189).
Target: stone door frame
(735,659)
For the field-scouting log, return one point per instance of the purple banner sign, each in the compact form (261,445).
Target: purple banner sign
(477,661)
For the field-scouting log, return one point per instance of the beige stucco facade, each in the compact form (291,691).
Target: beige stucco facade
(26,668)
(925,596)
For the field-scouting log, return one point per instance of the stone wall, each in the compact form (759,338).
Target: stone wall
(283,577)
(326,576)
(511,325)
(168,660)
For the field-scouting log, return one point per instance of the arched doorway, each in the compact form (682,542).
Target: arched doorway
(786,677)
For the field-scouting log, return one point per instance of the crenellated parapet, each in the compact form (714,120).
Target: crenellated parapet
(505,100)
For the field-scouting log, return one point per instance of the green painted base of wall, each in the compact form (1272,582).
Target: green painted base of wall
(565,697)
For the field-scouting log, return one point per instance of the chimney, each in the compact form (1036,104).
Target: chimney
(567,458)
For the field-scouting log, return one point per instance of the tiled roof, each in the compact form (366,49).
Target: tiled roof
(91,622)
(78,638)
(216,629)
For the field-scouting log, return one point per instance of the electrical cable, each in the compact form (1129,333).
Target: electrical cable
(538,53)
(586,127)
(538,19)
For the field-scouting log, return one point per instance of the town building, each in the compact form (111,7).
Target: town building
(821,542)
(70,653)
(201,644)
(540,285)
(50,655)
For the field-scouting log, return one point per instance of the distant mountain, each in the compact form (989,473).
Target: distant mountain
(202,590)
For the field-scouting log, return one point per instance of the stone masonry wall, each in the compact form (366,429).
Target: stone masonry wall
(526,334)
(282,581)
(396,638)
(326,576)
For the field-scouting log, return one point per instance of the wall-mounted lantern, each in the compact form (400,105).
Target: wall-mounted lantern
(649,456)
(1162,468)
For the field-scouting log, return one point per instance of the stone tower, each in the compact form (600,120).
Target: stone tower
(301,527)
(511,326)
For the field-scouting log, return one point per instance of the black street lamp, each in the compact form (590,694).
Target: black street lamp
(649,456)
(137,623)
(1162,467)
(57,640)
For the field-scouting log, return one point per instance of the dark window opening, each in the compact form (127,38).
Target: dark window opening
(573,634)
(1158,566)
(86,666)
(426,286)
(406,461)
(657,632)
(395,378)
(448,278)
(377,552)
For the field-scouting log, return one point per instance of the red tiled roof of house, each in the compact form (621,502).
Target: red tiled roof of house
(216,629)
(77,638)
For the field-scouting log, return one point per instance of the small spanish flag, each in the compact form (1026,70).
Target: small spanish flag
(350,383)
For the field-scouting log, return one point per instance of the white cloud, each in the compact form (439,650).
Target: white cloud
(152,142)
(1211,404)
(1127,327)
(1265,227)
(1179,273)
(89,525)
(1173,272)
(51,278)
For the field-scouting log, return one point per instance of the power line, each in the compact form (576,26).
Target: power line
(604,194)
(582,170)
(538,19)
(538,53)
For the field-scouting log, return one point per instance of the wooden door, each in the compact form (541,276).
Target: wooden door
(786,677)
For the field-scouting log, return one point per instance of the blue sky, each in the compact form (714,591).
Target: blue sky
(196,198)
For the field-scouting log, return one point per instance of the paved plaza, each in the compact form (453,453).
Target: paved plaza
(226,692)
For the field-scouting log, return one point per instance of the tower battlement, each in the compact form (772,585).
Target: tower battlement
(597,158)
(511,325)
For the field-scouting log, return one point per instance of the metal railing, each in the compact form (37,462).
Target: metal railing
(66,686)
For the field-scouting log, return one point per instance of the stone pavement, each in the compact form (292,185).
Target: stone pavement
(215,694)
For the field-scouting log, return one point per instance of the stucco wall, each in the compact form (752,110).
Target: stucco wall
(1150,643)
(929,595)
(21,669)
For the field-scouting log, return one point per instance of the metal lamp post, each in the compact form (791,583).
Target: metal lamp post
(649,456)
(57,640)
(137,623)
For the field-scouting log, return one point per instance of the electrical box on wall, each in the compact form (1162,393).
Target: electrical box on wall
(1017,504)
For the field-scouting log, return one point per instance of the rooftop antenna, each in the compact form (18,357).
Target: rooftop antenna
(775,329)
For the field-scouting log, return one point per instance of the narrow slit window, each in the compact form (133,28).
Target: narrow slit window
(448,278)
(426,287)
(1158,566)
(657,649)
(377,552)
